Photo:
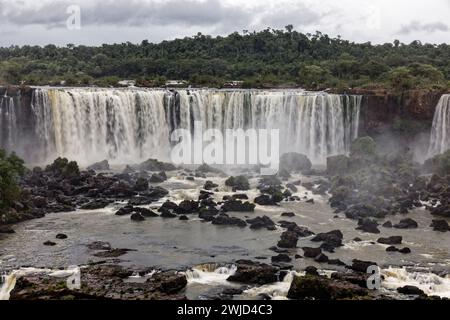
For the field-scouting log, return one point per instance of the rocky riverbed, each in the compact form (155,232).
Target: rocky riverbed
(154,231)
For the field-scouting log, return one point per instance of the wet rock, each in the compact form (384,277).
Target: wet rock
(39,202)
(165,213)
(311,201)
(156,166)
(288,240)
(187,207)
(301,231)
(295,162)
(309,252)
(281,258)
(141,184)
(405,250)
(388,224)
(336,262)
(49,243)
(209,185)
(261,222)
(238,206)
(368,225)
(359,279)
(225,220)
(146,213)
(311,271)
(99,245)
(331,240)
(183,218)
(125,211)
(250,272)
(392,249)
(407,224)
(61,236)
(158,177)
(391,240)
(322,288)
(168,282)
(112,253)
(99,166)
(6,230)
(410,290)
(208,213)
(265,200)
(96,204)
(362,266)
(322,258)
(288,214)
(137,217)
(440,225)
(239,183)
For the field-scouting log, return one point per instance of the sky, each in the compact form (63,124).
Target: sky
(94,22)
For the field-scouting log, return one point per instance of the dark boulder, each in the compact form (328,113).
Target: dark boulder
(311,252)
(61,236)
(368,225)
(187,207)
(261,222)
(337,165)
(49,244)
(137,217)
(361,266)
(410,290)
(322,288)
(288,240)
(225,220)
(239,183)
(391,240)
(158,177)
(281,258)
(96,204)
(141,184)
(407,224)
(301,231)
(250,272)
(6,230)
(209,185)
(156,166)
(238,206)
(288,214)
(331,240)
(440,225)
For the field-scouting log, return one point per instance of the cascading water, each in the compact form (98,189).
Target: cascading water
(440,132)
(129,125)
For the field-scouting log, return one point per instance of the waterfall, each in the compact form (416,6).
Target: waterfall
(130,125)
(440,132)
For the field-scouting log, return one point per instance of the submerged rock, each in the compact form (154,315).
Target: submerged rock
(225,220)
(261,222)
(238,206)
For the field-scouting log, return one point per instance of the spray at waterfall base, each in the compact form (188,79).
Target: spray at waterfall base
(238,147)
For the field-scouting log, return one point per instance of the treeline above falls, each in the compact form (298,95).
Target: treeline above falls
(130,125)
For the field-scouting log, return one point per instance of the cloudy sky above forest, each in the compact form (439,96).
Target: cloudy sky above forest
(107,21)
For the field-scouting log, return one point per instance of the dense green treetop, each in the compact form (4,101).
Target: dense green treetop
(267,58)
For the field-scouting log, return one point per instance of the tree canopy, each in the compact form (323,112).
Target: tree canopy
(266,58)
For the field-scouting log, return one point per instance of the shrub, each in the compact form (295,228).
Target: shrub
(11,167)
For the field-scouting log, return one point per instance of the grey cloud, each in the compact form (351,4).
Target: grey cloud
(126,13)
(416,26)
(297,14)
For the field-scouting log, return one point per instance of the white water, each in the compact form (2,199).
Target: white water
(10,280)
(430,283)
(129,125)
(440,132)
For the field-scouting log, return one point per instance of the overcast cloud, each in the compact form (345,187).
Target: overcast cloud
(107,21)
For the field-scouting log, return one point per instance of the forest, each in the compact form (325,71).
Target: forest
(269,58)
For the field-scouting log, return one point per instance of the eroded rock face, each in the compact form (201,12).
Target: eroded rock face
(250,272)
(161,286)
(322,288)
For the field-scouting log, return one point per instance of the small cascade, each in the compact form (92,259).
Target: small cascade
(440,132)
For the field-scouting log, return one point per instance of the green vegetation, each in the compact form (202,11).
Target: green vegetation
(11,167)
(65,168)
(363,147)
(267,58)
